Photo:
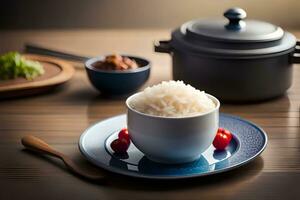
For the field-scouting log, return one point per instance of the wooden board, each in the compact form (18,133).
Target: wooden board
(56,73)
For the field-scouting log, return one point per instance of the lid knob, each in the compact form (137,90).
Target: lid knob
(235,16)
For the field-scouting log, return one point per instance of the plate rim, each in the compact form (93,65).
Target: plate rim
(168,177)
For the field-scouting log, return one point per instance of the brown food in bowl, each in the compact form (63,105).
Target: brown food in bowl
(116,62)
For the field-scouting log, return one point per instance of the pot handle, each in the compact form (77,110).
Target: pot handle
(162,46)
(295,58)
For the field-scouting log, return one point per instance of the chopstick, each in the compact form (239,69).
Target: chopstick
(36,49)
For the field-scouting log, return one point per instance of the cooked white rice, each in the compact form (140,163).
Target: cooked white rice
(172,99)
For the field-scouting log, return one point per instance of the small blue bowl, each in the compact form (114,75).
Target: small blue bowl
(117,82)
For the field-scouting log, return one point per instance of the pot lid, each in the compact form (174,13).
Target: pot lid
(233,36)
(234,29)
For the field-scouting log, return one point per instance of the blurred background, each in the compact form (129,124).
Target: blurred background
(140,14)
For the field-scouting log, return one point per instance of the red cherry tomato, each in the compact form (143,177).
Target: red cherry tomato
(123,134)
(120,145)
(221,130)
(228,133)
(222,139)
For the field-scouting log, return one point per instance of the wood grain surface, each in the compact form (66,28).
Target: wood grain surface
(61,116)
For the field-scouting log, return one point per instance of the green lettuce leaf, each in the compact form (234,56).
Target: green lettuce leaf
(13,65)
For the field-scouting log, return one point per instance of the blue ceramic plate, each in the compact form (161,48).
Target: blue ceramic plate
(248,142)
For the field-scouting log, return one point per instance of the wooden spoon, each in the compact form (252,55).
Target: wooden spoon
(38,145)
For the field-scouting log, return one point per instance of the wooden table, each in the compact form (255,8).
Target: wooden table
(61,116)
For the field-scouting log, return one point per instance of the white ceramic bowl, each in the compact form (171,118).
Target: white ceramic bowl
(171,139)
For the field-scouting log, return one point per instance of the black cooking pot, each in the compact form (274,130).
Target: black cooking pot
(240,60)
